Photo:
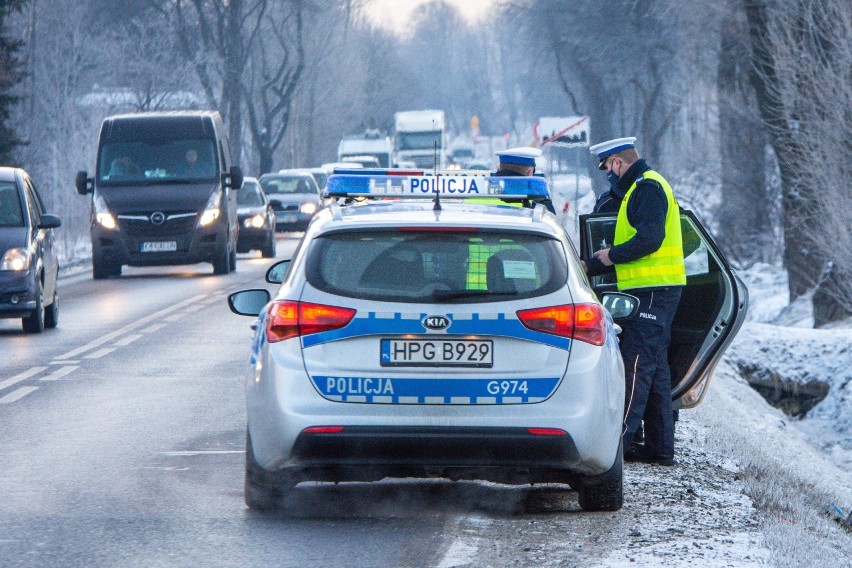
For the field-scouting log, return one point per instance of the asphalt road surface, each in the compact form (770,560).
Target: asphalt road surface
(122,435)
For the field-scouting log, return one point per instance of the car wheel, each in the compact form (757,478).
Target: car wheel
(607,492)
(34,323)
(51,312)
(262,492)
(268,250)
(232,260)
(222,262)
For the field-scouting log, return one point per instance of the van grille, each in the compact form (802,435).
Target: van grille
(140,225)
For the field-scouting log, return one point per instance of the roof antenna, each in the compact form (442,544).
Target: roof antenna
(437,206)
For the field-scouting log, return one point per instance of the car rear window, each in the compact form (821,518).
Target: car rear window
(11,214)
(425,266)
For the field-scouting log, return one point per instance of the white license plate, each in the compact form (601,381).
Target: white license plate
(159,246)
(436,353)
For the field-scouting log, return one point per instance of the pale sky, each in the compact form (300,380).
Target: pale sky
(395,13)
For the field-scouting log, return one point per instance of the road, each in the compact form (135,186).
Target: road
(122,437)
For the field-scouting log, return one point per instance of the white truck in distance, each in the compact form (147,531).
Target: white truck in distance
(372,143)
(419,138)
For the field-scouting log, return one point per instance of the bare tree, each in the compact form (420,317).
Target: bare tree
(802,55)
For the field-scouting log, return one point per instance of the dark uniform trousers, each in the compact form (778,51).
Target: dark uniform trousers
(645,348)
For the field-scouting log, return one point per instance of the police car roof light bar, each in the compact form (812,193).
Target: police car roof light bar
(425,186)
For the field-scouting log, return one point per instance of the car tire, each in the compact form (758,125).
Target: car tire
(51,312)
(268,250)
(34,323)
(222,262)
(232,260)
(605,493)
(102,269)
(262,491)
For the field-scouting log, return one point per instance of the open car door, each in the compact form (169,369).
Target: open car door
(712,307)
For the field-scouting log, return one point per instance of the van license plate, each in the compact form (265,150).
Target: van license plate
(436,353)
(159,246)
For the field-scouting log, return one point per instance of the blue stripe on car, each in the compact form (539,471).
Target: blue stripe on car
(435,390)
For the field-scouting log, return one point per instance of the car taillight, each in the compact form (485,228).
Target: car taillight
(583,322)
(286,319)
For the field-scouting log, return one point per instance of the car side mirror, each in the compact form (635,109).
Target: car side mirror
(48,221)
(235,177)
(248,302)
(620,306)
(277,272)
(84,183)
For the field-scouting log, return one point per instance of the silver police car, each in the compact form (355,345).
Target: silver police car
(434,337)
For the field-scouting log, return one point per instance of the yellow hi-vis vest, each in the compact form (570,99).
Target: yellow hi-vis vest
(663,267)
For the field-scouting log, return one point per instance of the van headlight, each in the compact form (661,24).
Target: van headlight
(308,208)
(16,260)
(102,214)
(211,210)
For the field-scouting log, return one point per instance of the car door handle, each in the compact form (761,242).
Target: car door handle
(254,325)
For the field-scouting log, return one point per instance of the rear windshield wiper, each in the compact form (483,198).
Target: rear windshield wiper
(453,294)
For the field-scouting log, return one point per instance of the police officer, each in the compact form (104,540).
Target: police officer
(521,162)
(647,255)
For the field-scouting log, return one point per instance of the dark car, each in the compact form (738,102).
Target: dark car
(28,264)
(295,198)
(163,193)
(257,219)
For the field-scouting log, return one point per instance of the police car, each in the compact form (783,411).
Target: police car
(419,332)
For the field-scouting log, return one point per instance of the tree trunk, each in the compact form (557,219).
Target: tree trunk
(745,211)
(803,264)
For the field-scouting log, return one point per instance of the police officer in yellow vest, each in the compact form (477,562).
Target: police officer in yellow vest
(647,254)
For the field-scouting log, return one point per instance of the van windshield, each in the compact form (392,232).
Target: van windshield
(147,161)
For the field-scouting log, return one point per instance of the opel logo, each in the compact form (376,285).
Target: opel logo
(436,323)
(158,218)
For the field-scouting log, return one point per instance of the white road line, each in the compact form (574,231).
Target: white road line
(138,323)
(64,362)
(60,372)
(175,317)
(153,328)
(100,353)
(127,340)
(202,452)
(17,394)
(21,377)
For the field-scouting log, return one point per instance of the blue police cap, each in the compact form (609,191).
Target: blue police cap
(524,155)
(610,147)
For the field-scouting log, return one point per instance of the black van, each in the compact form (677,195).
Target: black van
(163,193)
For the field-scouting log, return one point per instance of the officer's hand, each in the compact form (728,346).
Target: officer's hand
(603,256)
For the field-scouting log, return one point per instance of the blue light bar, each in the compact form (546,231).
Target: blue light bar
(426,186)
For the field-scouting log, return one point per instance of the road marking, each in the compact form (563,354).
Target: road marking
(100,353)
(138,323)
(60,372)
(202,452)
(152,328)
(175,317)
(127,340)
(21,376)
(64,362)
(17,394)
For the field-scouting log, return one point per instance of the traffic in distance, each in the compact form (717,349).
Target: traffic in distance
(429,327)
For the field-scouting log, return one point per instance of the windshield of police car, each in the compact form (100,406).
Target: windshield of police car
(425,266)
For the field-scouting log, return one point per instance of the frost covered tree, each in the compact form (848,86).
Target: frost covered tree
(11,74)
(802,55)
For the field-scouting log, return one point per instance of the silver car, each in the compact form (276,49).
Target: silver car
(434,337)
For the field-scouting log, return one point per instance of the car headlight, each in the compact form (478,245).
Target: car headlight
(255,221)
(211,210)
(16,260)
(308,208)
(102,214)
